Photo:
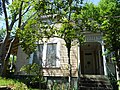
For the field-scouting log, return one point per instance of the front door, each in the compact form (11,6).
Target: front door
(89,62)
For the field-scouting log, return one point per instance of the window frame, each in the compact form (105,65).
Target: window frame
(44,53)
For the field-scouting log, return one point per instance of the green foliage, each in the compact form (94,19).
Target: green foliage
(103,18)
(2,34)
(88,19)
(67,31)
(109,10)
(31,69)
(28,37)
(13,84)
(107,7)
(118,83)
(49,13)
(34,69)
(61,86)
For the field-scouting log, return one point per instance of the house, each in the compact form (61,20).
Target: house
(86,59)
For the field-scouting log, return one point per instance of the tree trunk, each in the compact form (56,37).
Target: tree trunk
(70,68)
(3,51)
(6,39)
(5,54)
(4,69)
(68,45)
(6,58)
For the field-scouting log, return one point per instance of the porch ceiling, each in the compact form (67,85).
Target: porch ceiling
(91,45)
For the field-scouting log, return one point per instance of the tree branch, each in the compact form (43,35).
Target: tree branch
(24,13)
(15,15)
(9,49)
(6,16)
(26,10)
(20,13)
(22,26)
(12,42)
(13,21)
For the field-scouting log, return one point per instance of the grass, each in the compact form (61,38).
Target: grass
(13,84)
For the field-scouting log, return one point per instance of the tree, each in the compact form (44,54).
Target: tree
(61,12)
(74,19)
(109,10)
(104,18)
(6,1)
(2,33)
(14,22)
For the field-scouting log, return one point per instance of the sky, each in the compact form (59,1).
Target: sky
(94,1)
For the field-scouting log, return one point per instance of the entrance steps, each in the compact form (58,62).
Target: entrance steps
(94,82)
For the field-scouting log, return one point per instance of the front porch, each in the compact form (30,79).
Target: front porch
(93,70)
(91,59)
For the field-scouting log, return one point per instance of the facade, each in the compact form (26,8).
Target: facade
(86,59)
(53,57)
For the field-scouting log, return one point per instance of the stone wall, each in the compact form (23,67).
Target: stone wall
(62,70)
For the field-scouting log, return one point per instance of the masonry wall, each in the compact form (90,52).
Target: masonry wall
(63,70)
(21,60)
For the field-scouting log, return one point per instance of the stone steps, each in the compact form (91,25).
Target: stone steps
(94,82)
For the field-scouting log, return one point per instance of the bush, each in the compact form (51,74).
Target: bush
(13,84)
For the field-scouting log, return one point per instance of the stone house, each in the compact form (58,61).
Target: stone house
(86,59)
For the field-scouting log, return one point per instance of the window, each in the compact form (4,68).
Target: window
(37,56)
(46,55)
(51,55)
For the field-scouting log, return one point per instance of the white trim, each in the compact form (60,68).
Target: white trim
(53,41)
(44,53)
(104,60)
(58,54)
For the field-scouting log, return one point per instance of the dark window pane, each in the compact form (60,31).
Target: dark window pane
(37,57)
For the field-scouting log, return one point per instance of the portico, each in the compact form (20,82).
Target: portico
(92,59)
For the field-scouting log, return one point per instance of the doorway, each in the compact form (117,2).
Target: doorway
(89,62)
(91,58)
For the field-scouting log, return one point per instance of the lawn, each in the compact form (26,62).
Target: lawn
(13,84)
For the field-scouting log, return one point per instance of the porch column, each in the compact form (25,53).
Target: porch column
(104,60)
